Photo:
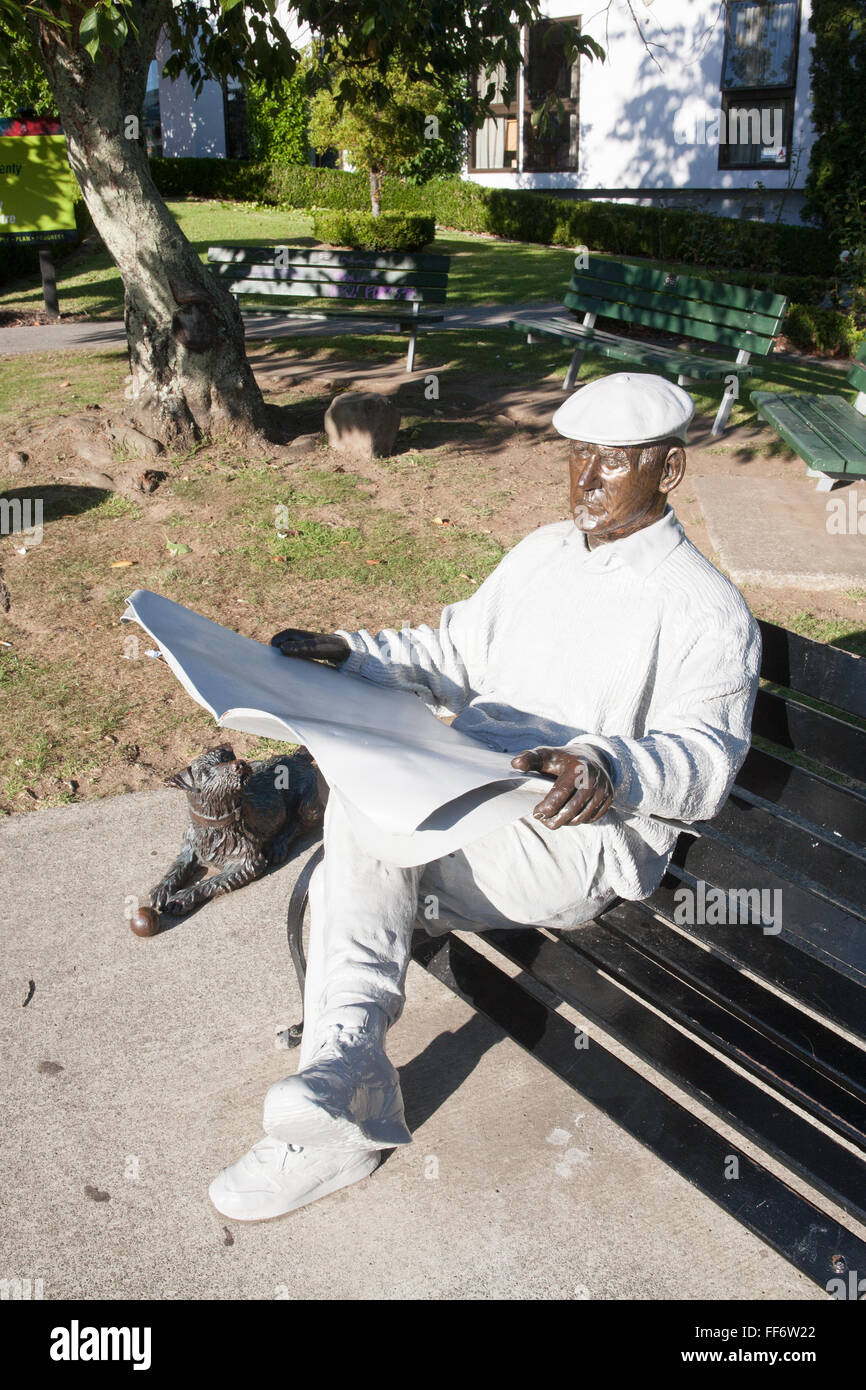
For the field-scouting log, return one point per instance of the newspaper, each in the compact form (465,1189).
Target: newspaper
(419,789)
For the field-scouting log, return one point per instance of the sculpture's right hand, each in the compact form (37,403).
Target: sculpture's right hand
(312,646)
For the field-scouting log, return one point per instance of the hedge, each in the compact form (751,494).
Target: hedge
(391,231)
(697,238)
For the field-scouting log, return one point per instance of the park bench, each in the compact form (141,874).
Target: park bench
(394,288)
(765,1028)
(729,316)
(826,431)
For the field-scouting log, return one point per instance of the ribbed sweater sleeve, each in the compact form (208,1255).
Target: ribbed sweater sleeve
(684,766)
(446,663)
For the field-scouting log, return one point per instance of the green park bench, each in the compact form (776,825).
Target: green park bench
(391,288)
(754,1006)
(826,431)
(729,316)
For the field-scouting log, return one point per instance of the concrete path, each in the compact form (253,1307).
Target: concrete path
(133,1069)
(99,333)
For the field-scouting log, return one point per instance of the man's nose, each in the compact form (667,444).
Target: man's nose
(587,472)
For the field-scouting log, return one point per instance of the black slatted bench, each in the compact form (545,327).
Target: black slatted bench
(389,288)
(827,431)
(765,1028)
(728,316)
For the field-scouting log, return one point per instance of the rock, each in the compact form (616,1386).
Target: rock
(93,452)
(303,444)
(15,462)
(134,440)
(362,423)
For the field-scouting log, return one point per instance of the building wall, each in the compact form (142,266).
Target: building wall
(633,117)
(191,125)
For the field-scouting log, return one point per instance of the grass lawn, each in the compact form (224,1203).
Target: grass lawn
(484,270)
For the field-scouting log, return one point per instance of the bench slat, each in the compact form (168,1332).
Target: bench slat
(633,349)
(842,425)
(811,733)
(825,868)
(820,1048)
(404,294)
(813,668)
(670,323)
(791,417)
(682,311)
(838,811)
(802,976)
(328,275)
(626,273)
(322,256)
(762,1202)
(842,1108)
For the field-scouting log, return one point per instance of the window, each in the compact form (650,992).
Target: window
(759,74)
(550,144)
(494,143)
(546,88)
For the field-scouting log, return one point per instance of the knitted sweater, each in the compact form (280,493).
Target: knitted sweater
(638,648)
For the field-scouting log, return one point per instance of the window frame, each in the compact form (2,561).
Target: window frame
(745,97)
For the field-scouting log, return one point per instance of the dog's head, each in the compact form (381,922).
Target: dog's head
(214,781)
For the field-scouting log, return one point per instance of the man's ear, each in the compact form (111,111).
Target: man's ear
(673,469)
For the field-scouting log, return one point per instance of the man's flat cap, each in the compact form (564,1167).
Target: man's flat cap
(626,408)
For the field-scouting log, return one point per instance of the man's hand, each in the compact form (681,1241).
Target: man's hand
(312,646)
(581,793)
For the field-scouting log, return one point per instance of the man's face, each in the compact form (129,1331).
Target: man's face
(616,491)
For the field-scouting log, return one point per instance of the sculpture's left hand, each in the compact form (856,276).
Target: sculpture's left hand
(581,793)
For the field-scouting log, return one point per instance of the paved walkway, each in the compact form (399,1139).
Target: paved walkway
(133,1069)
(259,324)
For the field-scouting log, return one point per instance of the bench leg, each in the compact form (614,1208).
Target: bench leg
(724,412)
(410,356)
(825,481)
(295,935)
(573,369)
(530,338)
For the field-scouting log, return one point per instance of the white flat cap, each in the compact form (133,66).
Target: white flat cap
(626,408)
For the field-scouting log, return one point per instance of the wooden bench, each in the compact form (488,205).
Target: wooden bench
(729,316)
(393,287)
(826,431)
(770,1024)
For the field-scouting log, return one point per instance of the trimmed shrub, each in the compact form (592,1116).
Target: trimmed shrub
(697,238)
(390,231)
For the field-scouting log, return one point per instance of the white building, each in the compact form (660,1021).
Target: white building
(698,103)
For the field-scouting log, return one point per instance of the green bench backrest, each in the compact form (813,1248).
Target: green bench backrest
(730,315)
(322,274)
(857,374)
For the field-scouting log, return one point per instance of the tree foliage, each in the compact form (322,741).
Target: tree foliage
(836,184)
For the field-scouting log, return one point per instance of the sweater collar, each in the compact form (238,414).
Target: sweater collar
(642,551)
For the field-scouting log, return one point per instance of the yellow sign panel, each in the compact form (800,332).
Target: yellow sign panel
(37,189)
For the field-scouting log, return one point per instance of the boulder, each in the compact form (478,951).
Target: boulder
(362,423)
(16,462)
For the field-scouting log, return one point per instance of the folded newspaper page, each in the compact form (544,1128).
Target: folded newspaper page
(421,789)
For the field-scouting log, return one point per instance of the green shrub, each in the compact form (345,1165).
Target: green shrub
(279,120)
(697,238)
(390,231)
(812,329)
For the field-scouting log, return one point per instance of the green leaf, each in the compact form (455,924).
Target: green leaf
(177,547)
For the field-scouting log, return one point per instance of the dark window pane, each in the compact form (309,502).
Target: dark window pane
(547,70)
(756,131)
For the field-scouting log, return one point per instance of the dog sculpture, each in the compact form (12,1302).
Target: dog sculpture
(243,818)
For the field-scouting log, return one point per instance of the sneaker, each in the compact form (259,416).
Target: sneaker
(348,1097)
(275,1178)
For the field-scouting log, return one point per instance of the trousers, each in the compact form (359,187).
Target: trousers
(363,910)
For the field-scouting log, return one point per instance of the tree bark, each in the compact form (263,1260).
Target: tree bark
(190,375)
(376,179)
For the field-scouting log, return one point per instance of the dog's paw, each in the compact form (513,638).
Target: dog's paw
(177,904)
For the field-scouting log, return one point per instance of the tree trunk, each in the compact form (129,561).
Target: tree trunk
(190,375)
(377,177)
